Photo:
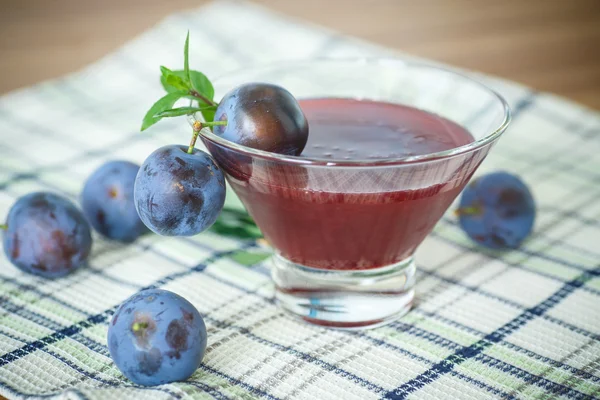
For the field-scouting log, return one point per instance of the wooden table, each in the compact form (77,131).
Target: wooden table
(550,45)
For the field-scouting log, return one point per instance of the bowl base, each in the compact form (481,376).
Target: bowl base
(340,299)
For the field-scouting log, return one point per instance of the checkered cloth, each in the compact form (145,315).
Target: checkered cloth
(488,324)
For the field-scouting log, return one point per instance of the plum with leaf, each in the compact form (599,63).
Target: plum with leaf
(181,192)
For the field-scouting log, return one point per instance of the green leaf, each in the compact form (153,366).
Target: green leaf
(236,231)
(177,112)
(165,71)
(236,223)
(168,88)
(201,84)
(165,103)
(250,258)
(172,81)
(177,82)
(186,58)
(238,215)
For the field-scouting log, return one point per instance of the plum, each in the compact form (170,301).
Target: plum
(264,117)
(497,210)
(179,194)
(46,235)
(107,201)
(157,337)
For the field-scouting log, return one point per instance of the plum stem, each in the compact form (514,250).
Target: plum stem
(3,227)
(138,326)
(471,210)
(203,98)
(197,126)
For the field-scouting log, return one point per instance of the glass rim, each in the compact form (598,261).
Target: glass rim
(495,133)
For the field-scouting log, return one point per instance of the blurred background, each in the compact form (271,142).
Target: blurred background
(550,45)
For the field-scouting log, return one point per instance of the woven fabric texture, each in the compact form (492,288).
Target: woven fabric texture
(487,324)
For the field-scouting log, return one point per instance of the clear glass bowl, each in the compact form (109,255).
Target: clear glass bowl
(344,232)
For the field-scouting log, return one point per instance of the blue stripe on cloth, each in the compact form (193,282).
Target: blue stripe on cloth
(23,287)
(526,102)
(208,389)
(199,267)
(503,366)
(114,279)
(576,216)
(572,126)
(485,359)
(478,383)
(68,392)
(555,363)
(78,393)
(300,354)
(230,379)
(55,336)
(514,264)
(524,251)
(18,177)
(54,326)
(478,290)
(446,365)
(385,344)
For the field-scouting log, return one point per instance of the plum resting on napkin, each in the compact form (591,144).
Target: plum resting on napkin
(46,235)
(497,210)
(157,337)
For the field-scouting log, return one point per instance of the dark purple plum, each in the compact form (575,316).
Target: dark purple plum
(157,337)
(497,210)
(264,117)
(46,235)
(107,201)
(179,194)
